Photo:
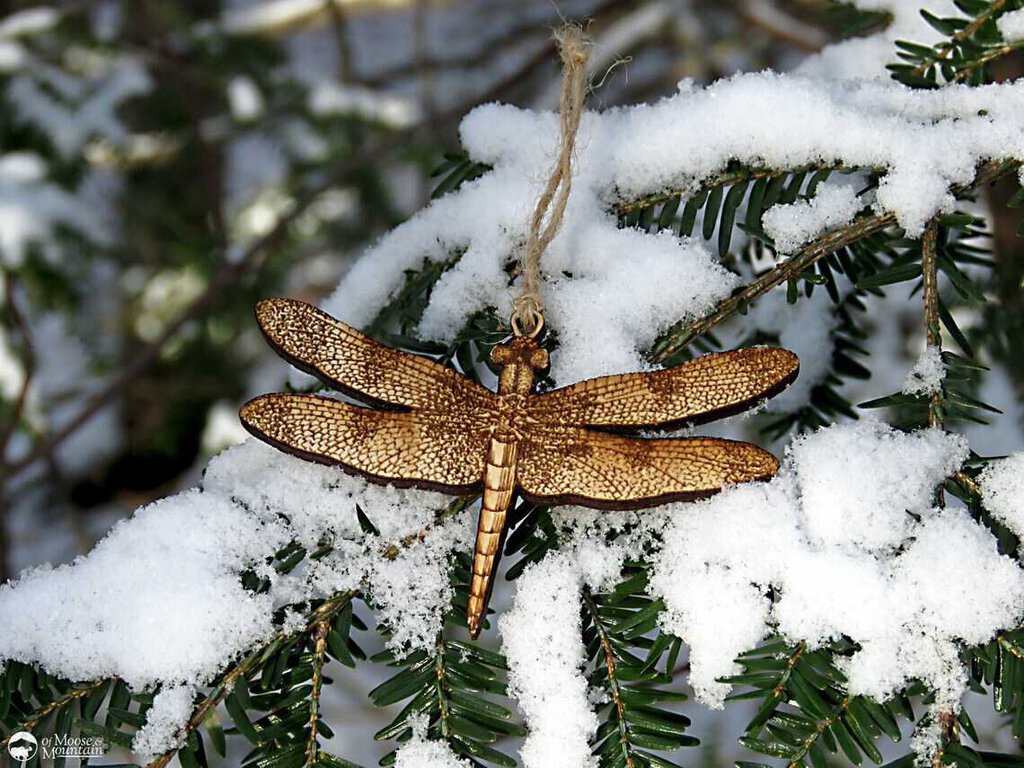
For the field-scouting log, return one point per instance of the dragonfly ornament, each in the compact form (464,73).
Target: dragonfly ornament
(427,426)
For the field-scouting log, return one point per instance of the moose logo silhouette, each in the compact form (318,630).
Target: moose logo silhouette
(23,746)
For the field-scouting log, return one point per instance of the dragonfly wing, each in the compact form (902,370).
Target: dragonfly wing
(352,362)
(418,448)
(570,465)
(706,388)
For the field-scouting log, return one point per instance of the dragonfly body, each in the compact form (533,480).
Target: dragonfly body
(429,427)
(519,359)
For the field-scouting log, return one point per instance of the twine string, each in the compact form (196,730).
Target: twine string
(528,312)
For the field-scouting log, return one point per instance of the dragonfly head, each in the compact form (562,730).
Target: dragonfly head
(523,351)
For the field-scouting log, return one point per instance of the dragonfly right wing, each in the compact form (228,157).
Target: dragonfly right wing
(706,388)
(570,465)
(424,449)
(362,368)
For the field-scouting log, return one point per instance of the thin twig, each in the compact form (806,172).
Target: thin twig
(21,322)
(933,333)
(68,698)
(681,334)
(319,654)
(613,679)
(947,47)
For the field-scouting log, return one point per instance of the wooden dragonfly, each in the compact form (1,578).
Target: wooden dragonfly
(430,427)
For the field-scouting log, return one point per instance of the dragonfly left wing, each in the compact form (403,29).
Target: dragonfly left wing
(570,465)
(706,388)
(425,449)
(362,368)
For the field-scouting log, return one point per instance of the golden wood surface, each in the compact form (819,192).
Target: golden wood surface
(432,428)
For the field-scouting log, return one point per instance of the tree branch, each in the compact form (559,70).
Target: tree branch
(679,335)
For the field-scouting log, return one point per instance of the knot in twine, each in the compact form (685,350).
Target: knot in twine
(528,312)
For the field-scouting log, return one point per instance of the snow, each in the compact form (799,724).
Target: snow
(797,223)
(845,542)
(1002,491)
(72,109)
(866,57)
(923,142)
(860,484)
(176,565)
(31,207)
(419,752)
(847,538)
(927,375)
(171,707)
(30,21)
(245,99)
(1011,26)
(328,98)
(541,640)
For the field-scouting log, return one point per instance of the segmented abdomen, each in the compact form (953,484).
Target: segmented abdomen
(499,485)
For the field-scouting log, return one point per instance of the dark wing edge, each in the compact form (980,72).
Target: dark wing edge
(262,418)
(650,472)
(558,405)
(274,316)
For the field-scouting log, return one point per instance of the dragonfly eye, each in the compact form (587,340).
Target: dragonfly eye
(539,359)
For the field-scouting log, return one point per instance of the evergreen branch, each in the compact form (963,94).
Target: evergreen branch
(682,334)
(727,179)
(679,335)
(321,615)
(66,700)
(319,656)
(447,685)
(949,733)
(964,72)
(625,659)
(948,47)
(819,731)
(613,680)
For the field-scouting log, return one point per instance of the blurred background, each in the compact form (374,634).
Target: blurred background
(165,164)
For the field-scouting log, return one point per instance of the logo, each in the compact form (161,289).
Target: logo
(22,746)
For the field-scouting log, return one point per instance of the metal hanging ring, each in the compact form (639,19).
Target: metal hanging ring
(535,322)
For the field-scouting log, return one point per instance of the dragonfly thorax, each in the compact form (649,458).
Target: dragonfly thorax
(520,358)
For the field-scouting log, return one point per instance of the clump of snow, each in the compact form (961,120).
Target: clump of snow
(793,225)
(832,537)
(541,640)
(1011,26)
(927,375)
(1002,491)
(412,592)
(861,484)
(923,142)
(162,731)
(420,752)
(192,615)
